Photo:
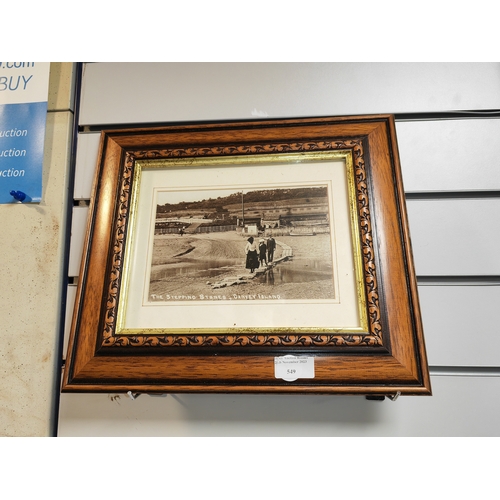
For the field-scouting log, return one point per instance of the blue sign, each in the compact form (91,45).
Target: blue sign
(23,113)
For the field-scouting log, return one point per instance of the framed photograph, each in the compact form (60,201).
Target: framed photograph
(252,256)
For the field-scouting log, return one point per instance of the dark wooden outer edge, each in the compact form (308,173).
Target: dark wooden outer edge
(412,284)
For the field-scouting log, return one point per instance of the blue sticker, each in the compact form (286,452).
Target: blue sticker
(22,135)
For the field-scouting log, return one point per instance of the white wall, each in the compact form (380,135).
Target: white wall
(32,256)
(451,171)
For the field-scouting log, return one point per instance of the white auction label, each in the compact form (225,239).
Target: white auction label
(291,368)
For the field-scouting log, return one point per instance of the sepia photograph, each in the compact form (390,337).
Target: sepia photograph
(251,244)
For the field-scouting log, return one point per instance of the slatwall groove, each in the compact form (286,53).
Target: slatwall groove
(452,195)
(460,371)
(399,118)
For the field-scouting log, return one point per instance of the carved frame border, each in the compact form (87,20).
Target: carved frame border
(373,338)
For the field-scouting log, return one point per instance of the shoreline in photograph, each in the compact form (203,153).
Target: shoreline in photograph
(195,266)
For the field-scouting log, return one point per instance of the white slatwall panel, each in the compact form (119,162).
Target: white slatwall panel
(461,325)
(78,230)
(86,159)
(455,237)
(70,302)
(450,236)
(149,92)
(450,155)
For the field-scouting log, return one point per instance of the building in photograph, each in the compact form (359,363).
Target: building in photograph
(276,214)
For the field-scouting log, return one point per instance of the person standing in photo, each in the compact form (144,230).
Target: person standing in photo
(262,252)
(252,261)
(271,245)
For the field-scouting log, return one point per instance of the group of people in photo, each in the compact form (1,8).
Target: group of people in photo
(259,253)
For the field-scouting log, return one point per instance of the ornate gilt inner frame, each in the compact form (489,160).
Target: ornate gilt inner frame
(383,353)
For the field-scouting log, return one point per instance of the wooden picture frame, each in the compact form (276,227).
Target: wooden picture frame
(162,307)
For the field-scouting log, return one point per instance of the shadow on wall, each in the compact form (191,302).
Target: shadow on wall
(219,415)
(278,408)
